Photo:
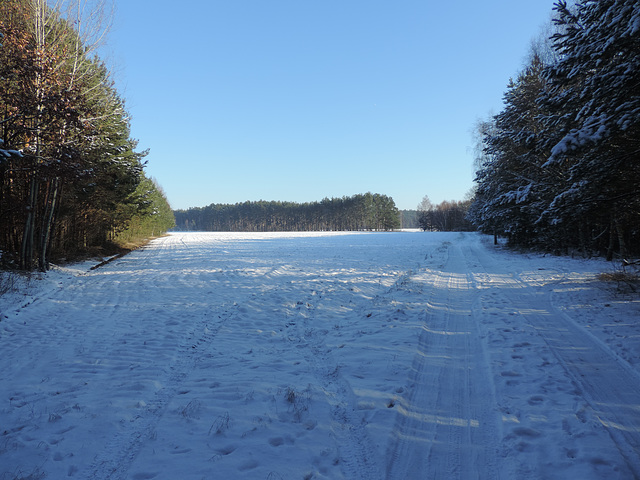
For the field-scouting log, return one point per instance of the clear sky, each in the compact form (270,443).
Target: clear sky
(299,100)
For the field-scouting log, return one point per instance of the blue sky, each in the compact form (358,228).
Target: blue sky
(299,100)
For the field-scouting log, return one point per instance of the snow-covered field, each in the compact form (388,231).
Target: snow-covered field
(340,356)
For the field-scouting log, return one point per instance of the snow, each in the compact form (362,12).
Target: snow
(321,355)
(10,153)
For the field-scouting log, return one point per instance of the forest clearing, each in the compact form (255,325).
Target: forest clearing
(321,355)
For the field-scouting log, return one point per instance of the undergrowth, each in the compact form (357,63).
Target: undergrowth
(298,401)
(7,282)
(626,276)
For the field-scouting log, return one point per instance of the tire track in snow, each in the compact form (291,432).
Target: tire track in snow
(357,455)
(186,339)
(89,356)
(605,381)
(447,427)
(120,452)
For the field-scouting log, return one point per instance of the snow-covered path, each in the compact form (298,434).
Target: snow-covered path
(356,356)
(448,425)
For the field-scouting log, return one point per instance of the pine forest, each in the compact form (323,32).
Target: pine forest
(358,212)
(71,179)
(559,166)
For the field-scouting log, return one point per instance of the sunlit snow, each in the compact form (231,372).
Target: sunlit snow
(328,355)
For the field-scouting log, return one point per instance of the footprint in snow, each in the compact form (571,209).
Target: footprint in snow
(144,476)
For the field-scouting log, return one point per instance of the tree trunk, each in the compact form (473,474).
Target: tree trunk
(26,251)
(621,243)
(48,217)
(612,237)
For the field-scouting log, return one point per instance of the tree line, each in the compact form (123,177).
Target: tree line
(559,166)
(369,211)
(447,216)
(71,178)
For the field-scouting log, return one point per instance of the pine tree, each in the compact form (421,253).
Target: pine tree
(560,166)
(595,91)
(512,186)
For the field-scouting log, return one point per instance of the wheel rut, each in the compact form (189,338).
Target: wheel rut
(446,427)
(600,379)
(357,457)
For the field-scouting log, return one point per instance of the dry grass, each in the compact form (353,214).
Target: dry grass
(619,277)
(7,282)
(626,276)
